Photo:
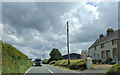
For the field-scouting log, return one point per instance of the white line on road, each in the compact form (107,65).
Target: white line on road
(28,70)
(48,69)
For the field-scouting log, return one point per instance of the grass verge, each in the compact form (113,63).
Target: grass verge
(79,64)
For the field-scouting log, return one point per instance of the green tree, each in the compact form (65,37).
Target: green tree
(55,54)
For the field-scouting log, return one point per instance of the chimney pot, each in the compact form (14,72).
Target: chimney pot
(101,36)
(109,31)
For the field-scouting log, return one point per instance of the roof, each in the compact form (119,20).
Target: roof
(71,54)
(106,38)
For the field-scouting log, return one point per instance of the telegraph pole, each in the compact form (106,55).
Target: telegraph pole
(68,42)
(44,54)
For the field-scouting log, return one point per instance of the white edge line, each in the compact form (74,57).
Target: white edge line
(28,70)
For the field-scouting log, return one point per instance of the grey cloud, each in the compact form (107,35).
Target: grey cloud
(90,31)
(45,20)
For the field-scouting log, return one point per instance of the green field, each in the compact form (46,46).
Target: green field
(79,64)
(14,61)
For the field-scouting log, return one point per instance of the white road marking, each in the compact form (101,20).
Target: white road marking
(28,70)
(48,69)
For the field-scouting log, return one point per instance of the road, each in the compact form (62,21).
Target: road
(52,70)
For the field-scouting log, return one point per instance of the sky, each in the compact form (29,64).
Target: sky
(35,28)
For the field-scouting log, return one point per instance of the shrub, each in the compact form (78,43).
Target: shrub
(115,69)
(94,61)
(78,65)
(108,60)
(52,62)
(99,61)
(46,61)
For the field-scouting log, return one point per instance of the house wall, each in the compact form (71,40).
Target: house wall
(107,46)
(84,54)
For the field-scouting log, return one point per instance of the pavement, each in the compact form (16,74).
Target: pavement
(52,70)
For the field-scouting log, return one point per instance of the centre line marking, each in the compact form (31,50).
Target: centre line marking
(48,69)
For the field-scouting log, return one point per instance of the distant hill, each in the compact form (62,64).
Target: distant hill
(14,61)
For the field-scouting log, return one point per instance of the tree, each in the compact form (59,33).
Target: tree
(55,54)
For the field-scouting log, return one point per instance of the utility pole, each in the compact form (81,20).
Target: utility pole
(118,47)
(68,42)
(44,54)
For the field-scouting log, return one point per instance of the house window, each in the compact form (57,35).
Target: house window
(98,56)
(102,45)
(114,52)
(113,42)
(103,55)
(95,48)
(94,56)
(108,54)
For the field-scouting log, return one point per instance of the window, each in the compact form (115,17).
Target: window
(102,45)
(94,47)
(94,56)
(108,54)
(113,42)
(102,55)
(114,52)
(98,56)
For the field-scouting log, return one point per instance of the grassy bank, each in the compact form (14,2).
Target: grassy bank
(79,64)
(0,57)
(14,61)
(46,61)
(115,69)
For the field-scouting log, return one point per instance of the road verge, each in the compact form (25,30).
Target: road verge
(79,64)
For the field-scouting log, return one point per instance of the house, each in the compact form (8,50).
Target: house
(106,46)
(72,56)
(84,54)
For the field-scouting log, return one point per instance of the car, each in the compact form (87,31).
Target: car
(38,62)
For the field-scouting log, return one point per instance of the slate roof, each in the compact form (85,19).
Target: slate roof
(106,38)
(71,54)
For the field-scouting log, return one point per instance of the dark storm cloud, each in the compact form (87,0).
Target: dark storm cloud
(40,16)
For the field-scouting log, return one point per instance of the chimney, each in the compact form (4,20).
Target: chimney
(101,36)
(109,31)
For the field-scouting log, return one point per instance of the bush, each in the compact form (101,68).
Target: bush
(52,62)
(94,61)
(78,65)
(115,69)
(46,61)
(108,60)
(99,61)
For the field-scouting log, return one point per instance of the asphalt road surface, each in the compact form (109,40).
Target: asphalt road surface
(52,70)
